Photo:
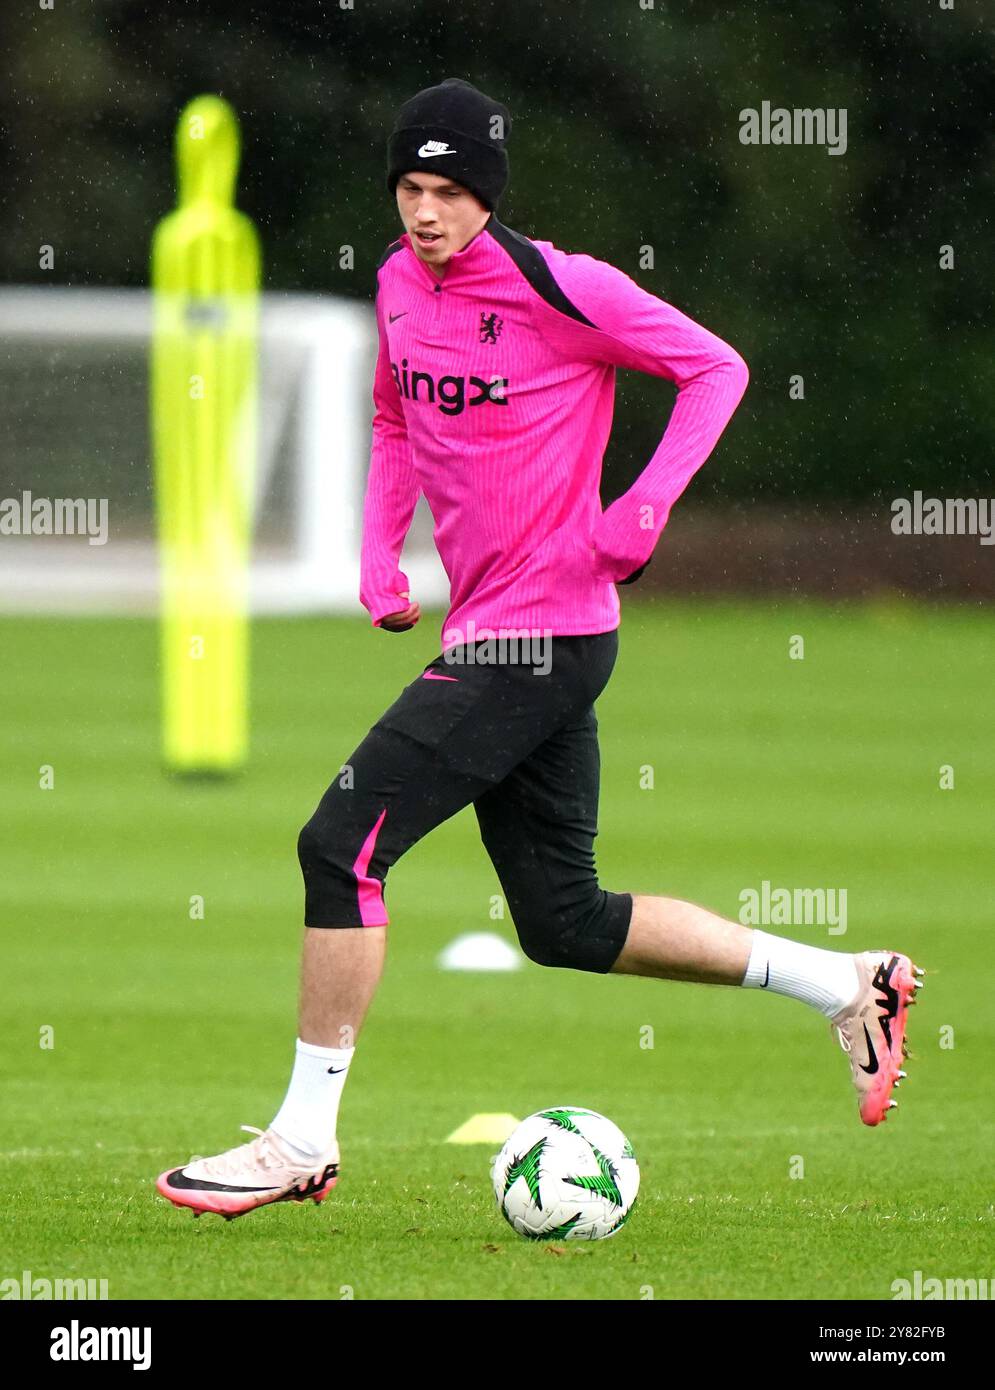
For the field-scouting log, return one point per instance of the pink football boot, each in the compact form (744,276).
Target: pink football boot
(871,1029)
(249,1176)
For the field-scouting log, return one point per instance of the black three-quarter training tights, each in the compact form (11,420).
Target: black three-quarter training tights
(518,739)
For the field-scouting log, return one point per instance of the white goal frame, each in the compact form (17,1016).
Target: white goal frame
(319,570)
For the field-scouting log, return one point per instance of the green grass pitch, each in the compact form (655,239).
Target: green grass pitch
(171,1032)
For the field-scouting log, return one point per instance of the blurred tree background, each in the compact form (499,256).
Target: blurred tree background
(626,135)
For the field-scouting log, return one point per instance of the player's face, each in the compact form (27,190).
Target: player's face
(439,216)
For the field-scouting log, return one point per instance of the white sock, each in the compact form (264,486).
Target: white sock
(825,979)
(307,1118)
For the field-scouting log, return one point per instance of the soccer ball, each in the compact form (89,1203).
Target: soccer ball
(566,1174)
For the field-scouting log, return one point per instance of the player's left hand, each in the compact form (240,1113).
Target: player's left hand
(634,575)
(609,568)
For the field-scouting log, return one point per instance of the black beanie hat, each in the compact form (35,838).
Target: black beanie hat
(451,130)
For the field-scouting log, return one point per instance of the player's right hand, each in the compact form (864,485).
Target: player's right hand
(404,620)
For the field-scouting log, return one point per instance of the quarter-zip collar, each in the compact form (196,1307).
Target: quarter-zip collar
(460,262)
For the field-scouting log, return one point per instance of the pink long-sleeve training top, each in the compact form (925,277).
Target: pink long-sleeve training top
(494,392)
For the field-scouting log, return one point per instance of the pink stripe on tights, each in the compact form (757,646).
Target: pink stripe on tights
(371,904)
